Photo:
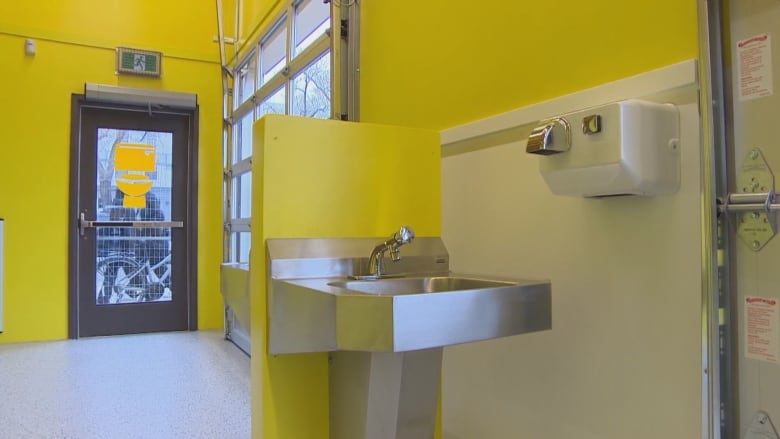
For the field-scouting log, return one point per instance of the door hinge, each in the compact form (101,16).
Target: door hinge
(754,204)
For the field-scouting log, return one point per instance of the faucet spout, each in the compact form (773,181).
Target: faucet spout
(375,265)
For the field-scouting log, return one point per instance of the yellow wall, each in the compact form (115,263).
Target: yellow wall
(438,64)
(323,178)
(75,41)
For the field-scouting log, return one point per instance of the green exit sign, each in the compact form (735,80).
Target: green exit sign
(138,62)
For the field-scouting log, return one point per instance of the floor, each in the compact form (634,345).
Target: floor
(166,385)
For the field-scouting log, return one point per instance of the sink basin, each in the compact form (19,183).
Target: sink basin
(417,285)
(315,306)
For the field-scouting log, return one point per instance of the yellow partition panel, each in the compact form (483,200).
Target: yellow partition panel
(325,178)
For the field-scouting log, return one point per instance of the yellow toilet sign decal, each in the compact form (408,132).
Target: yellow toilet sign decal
(134,159)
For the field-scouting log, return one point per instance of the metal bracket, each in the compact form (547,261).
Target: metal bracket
(761,427)
(754,202)
(344,28)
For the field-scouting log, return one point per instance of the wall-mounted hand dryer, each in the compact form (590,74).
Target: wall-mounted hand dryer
(629,147)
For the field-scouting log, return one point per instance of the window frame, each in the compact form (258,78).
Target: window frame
(294,64)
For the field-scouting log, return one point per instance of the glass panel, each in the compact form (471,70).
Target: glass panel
(245,243)
(311,89)
(234,247)
(243,135)
(312,19)
(242,196)
(246,81)
(240,243)
(273,104)
(273,53)
(225,146)
(245,197)
(235,197)
(134,180)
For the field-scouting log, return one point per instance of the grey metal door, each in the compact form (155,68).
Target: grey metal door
(751,309)
(133,205)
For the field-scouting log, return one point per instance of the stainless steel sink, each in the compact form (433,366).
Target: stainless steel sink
(387,335)
(314,305)
(417,285)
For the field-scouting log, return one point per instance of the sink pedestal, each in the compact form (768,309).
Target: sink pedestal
(384,395)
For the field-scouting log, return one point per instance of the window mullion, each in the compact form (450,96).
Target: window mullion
(309,55)
(289,55)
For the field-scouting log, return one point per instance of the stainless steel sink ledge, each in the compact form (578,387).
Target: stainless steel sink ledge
(315,306)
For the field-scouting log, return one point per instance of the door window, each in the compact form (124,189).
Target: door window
(133,263)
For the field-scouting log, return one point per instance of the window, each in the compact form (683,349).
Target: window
(273,53)
(246,80)
(312,20)
(288,71)
(243,138)
(311,89)
(273,104)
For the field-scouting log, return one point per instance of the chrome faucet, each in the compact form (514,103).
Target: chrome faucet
(404,236)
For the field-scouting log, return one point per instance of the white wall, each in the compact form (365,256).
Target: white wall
(623,359)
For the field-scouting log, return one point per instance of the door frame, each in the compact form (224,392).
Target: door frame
(79,102)
(720,391)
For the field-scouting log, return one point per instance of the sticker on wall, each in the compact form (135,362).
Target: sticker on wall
(134,159)
(762,340)
(754,67)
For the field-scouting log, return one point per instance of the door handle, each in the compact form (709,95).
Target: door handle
(88,224)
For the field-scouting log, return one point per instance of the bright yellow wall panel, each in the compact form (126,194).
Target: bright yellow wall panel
(375,178)
(175,28)
(440,63)
(35,176)
(324,178)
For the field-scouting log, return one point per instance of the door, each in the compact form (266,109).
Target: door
(750,68)
(133,204)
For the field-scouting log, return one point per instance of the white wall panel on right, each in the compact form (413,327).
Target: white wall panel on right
(623,359)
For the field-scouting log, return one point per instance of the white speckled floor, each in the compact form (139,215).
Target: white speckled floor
(166,385)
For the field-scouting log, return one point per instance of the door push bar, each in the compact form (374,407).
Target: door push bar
(87,224)
(755,216)
(751,202)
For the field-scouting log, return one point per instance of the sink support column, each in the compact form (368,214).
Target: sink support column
(384,395)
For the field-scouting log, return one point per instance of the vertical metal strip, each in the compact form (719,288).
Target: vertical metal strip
(337,59)
(352,76)
(237,30)
(227,132)
(716,409)
(221,32)
(289,52)
(710,394)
